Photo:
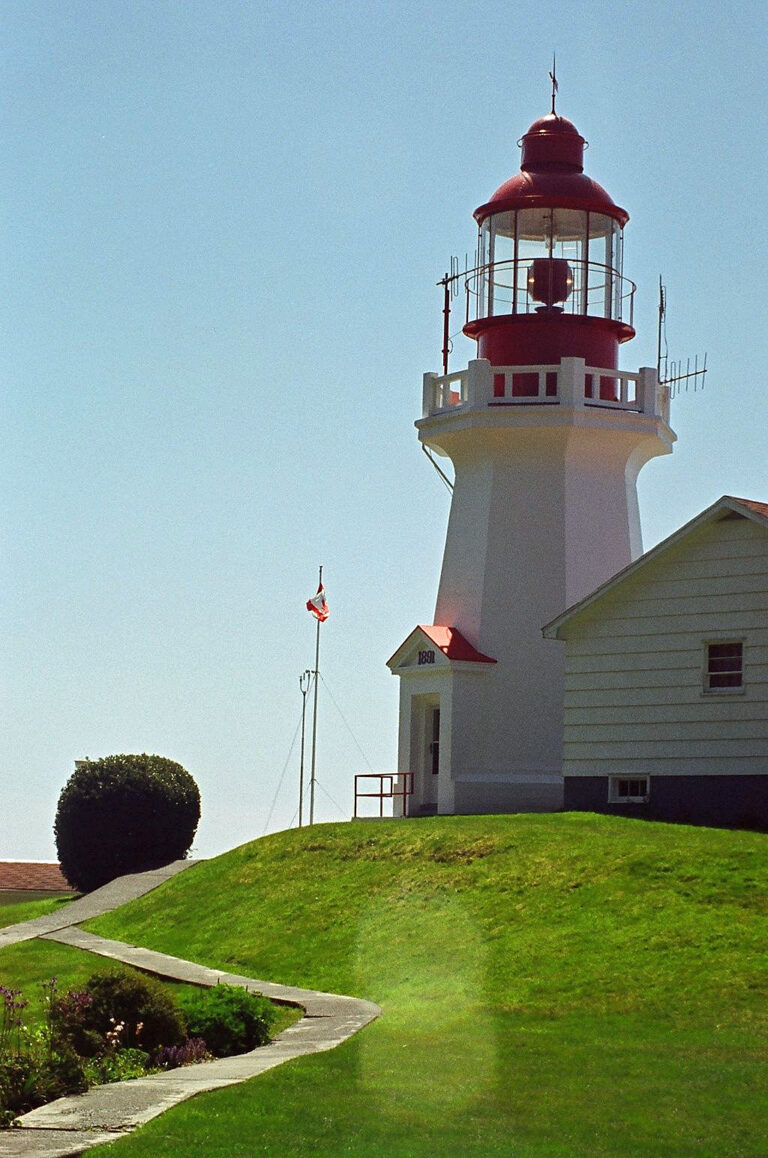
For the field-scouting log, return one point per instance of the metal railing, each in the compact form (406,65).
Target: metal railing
(537,285)
(392,786)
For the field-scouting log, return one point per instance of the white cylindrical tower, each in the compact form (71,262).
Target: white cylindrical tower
(547,437)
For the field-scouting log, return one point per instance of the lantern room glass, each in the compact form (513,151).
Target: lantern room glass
(581,250)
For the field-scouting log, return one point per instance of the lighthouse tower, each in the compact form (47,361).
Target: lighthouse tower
(547,436)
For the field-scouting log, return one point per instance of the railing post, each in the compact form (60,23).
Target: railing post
(428,399)
(479,382)
(570,381)
(648,392)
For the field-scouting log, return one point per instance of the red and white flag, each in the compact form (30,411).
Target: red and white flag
(318,606)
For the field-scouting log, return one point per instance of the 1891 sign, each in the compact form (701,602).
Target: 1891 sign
(426,657)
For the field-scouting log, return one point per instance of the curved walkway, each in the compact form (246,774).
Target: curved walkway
(72,1125)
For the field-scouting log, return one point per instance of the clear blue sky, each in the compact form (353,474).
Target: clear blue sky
(222,224)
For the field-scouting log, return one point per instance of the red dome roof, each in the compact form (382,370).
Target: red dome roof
(552,174)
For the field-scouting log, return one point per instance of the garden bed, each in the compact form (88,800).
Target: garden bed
(88,1024)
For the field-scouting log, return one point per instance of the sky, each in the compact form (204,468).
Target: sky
(222,224)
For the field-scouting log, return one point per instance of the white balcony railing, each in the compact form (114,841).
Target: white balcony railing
(568,383)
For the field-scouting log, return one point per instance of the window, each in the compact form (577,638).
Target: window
(434,744)
(725,667)
(629,789)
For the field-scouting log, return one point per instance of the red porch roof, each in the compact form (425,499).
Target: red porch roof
(453,644)
(449,641)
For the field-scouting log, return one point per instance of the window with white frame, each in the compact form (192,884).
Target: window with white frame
(724,670)
(629,789)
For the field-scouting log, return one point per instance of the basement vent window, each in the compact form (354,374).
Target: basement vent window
(628,790)
(725,667)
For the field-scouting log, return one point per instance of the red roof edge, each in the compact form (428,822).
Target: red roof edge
(453,644)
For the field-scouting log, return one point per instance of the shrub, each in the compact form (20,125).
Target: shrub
(124,814)
(118,1010)
(228,1019)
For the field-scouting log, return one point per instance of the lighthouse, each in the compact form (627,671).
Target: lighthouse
(547,436)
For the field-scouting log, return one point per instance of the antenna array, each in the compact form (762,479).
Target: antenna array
(670,371)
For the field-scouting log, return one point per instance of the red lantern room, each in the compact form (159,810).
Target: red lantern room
(548,280)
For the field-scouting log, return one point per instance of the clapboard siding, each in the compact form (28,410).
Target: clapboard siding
(727,585)
(718,618)
(735,712)
(717,731)
(634,661)
(693,765)
(634,697)
(670,750)
(694,604)
(648,641)
(656,688)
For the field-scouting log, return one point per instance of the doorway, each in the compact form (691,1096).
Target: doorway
(425,750)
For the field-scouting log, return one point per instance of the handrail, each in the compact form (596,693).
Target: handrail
(485,266)
(605,298)
(390,792)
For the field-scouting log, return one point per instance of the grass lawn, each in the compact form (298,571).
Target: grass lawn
(553,986)
(14,907)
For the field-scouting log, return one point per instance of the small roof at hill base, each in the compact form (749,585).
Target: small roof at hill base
(33,876)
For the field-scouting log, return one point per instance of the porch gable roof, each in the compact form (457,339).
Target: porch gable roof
(454,646)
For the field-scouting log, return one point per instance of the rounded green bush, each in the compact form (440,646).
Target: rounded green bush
(228,1019)
(124,814)
(145,1009)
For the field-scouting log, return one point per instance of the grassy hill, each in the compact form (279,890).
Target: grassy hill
(553,986)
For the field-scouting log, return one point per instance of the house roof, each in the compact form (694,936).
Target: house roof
(760,509)
(449,641)
(749,508)
(35,876)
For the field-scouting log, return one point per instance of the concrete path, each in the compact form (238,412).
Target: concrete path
(103,900)
(74,1124)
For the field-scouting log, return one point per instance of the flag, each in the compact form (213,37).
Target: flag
(318,606)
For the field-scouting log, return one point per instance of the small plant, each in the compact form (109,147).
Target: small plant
(11,1021)
(193,1050)
(124,814)
(228,1019)
(34,1068)
(117,1065)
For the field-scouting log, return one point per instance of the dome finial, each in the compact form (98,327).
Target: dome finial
(553,78)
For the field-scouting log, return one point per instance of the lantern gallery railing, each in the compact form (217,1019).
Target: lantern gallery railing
(546,285)
(569,383)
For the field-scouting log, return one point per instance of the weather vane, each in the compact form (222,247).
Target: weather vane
(553,78)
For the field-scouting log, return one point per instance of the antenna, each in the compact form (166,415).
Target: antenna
(553,78)
(671,373)
(450,283)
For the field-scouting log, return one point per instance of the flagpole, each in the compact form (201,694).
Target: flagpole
(304,686)
(312,779)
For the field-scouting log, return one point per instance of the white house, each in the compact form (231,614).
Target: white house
(666,678)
